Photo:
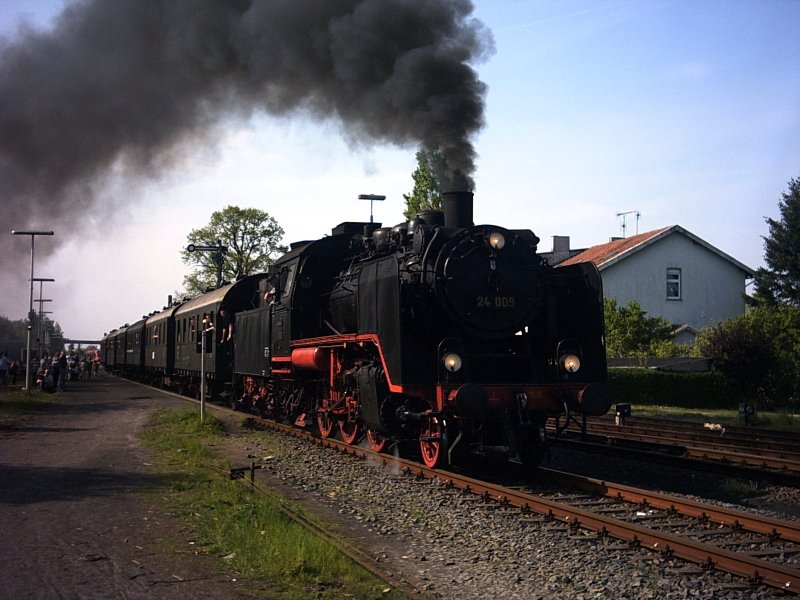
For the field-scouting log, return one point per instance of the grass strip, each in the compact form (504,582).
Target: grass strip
(16,402)
(243,528)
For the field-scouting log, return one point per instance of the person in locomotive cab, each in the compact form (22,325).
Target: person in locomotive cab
(224,325)
(225,334)
(272,294)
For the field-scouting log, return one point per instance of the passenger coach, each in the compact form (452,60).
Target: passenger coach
(204,312)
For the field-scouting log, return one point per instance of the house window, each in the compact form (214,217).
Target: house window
(673,284)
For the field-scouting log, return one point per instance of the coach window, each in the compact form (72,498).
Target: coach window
(673,284)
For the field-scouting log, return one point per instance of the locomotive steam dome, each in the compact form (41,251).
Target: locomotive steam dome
(487,279)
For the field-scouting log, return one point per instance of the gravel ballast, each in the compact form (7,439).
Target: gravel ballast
(451,545)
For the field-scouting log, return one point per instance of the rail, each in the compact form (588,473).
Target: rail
(754,570)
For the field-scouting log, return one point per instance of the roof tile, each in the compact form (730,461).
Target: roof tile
(603,253)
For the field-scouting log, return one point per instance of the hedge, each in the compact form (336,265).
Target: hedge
(663,388)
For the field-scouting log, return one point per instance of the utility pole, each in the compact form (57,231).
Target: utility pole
(33,235)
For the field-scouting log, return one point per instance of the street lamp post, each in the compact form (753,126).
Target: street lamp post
(33,235)
(372,198)
(219,251)
(208,327)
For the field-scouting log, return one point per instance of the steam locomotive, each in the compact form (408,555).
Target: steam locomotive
(436,336)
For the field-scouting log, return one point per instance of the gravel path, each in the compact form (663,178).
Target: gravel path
(75,518)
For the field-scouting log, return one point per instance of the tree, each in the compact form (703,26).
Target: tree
(780,282)
(13,331)
(253,239)
(426,194)
(630,333)
(52,335)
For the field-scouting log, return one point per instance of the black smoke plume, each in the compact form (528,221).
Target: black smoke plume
(129,84)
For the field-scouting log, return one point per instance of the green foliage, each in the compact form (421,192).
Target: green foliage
(13,331)
(52,333)
(780,282)
(16,333)
(630,333)
(709,390)
(760,350)
(426,194)
(253,239)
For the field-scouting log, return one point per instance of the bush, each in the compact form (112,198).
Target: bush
(740,352)
(687,390)
(760,350)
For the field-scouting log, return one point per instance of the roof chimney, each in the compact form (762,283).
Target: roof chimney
(560,248)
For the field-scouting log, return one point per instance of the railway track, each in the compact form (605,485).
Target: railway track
(716,439)
(758,549)
(756,454)
(689,429)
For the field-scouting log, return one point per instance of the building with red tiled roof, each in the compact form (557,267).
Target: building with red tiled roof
(670,272)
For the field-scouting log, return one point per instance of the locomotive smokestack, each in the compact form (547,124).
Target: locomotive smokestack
(457,209)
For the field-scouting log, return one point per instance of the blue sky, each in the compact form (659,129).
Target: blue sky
(687,112)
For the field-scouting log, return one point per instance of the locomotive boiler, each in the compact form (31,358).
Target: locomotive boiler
(436,334)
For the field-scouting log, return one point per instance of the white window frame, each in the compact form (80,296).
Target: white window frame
(674,284)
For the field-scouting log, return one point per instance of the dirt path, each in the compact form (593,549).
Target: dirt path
(72,524)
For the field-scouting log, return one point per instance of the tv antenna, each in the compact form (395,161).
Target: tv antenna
(624,224)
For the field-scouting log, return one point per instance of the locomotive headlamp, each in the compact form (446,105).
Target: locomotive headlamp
(452,362)
(497,240)
(571,363)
